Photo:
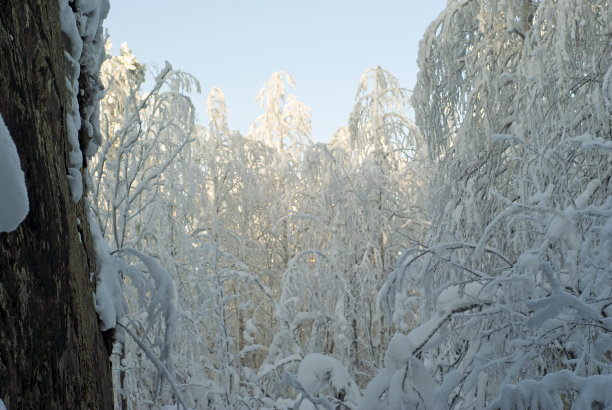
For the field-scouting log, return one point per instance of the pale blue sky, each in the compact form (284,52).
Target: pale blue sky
(236,45)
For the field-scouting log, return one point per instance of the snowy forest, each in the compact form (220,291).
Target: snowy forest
(450,247)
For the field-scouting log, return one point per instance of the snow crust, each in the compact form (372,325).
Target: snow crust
(14,204)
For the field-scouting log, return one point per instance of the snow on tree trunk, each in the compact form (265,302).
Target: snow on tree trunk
(13,194)
(52,352)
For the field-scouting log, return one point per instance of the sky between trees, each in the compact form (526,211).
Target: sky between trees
(237,45)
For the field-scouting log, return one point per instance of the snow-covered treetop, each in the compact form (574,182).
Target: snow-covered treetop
(379,124)
(285,123)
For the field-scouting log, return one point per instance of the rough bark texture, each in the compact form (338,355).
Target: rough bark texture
(52,352)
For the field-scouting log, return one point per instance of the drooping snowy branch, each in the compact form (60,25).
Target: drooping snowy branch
(160,366)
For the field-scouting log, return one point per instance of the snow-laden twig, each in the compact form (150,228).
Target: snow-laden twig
(160,366)
(291,381)
(593,392)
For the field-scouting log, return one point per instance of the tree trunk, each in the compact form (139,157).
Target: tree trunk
(52,352)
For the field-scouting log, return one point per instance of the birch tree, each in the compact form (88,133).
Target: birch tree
(285,123)
(137,202)
(346,226)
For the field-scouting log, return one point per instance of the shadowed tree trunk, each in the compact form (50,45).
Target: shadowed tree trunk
(52,352)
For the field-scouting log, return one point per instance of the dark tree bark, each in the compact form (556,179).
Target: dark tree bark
(52,352)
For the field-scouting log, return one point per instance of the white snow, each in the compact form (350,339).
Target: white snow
(282,350)
(545,393)
(76,183)
(529,262)
(73,118)
(550,306)
(306,400)
(164,296)
(14,204)
(163,301)
(455,297)
(589,143)
(69,28)
(84,54)
(403,368)
(109,302)
(250,330)
(280,404)
(442,393)
(407,384)
(399,351)
(318,372)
